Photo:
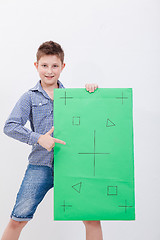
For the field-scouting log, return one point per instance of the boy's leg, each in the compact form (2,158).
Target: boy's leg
(36,183)
(93,230)
(13,230)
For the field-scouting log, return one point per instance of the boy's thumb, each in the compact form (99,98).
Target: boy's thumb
(50,131)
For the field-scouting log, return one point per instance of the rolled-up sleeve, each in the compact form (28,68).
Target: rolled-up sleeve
(14,126)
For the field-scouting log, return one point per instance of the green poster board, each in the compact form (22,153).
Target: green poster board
(94,171)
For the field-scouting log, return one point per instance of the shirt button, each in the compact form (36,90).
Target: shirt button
(40,104)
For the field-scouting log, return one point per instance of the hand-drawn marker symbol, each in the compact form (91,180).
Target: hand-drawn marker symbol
(112,190)
(94,153)
(77,187)
(65,97)
(122,97)
(109,123)
(125,206)
(76,121)
(65,205)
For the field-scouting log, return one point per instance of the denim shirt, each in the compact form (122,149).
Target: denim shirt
(36,106)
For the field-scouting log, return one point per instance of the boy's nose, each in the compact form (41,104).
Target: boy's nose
(50,71)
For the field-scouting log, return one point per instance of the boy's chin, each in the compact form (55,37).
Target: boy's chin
(49,81)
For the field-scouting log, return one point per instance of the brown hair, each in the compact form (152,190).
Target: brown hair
(50,48)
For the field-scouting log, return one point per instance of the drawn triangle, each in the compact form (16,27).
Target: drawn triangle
(77,187)
(109,123)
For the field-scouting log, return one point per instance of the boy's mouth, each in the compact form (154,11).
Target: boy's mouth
(49,77)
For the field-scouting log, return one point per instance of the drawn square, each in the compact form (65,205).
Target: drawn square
(112,190)
(76,121)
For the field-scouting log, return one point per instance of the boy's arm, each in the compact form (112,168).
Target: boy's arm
(14,126)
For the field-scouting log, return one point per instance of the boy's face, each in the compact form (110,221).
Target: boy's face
(49,68)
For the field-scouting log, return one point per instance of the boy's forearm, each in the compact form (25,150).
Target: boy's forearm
(20,133)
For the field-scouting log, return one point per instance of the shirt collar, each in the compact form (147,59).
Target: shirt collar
(39,88)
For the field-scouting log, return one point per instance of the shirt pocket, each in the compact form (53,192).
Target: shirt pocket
(40,104)
(40,112)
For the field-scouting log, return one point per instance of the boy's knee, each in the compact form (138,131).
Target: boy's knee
(91,223)
(16,224)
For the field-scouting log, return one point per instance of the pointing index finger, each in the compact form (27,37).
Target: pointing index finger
(59,141)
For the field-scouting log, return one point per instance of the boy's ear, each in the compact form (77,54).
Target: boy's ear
(63,65)
(36,65)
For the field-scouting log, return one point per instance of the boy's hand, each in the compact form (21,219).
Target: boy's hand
(91,87)
(47,141)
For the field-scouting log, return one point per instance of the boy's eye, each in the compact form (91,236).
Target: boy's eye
(44,65)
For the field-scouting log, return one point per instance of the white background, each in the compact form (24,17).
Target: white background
(114,43)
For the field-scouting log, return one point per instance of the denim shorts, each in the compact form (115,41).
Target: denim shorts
(36,183)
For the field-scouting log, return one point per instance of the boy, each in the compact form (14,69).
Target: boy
(36,105)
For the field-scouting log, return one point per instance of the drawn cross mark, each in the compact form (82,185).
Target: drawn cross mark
(65,97)
(65,205)
(122,97)
(94,152)
(125,206)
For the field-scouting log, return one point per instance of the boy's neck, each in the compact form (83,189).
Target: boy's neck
(49,89)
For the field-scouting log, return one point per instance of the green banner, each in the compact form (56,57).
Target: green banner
(94,171)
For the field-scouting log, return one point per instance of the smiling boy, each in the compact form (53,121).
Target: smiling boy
(36,105)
